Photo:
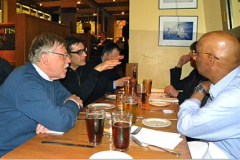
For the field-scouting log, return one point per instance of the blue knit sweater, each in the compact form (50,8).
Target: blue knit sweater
(26,99)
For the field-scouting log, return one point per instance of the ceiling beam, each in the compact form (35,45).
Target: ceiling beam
(92,4)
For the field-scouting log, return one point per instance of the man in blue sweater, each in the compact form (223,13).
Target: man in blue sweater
(32,100)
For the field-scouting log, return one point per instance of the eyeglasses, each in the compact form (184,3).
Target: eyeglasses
(63,55)
(197,53)
(80,52)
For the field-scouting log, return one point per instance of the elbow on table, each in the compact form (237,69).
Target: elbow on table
(184,130)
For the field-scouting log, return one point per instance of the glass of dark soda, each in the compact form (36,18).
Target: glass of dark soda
(95,124)
(121,129)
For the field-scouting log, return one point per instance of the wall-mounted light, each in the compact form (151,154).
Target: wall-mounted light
(40,4)
(113,0)
(79,2)
(122,12)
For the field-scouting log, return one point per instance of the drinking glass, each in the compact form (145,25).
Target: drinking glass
(107,132)
(131,105)
(119,101)
(121,127)
(142,92)
(127,88)
(148,82)
(95,124)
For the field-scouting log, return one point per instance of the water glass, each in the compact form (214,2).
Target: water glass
(119,101)
(107,132)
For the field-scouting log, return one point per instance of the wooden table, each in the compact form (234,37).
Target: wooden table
(34,149)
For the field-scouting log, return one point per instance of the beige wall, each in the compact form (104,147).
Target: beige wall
(155,61)
(235,13)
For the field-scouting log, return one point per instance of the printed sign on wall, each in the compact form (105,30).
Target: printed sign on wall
(7,37)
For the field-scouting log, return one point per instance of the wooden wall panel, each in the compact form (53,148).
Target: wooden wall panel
(27,28)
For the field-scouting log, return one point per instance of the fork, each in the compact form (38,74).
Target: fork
(142,145)
(137,130)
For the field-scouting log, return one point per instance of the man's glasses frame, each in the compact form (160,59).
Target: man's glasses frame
(80,52)
(63,55)
(195,53)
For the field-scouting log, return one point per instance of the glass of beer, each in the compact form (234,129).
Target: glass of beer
(119,100)
(121,128)
(142,92)
(95,124)
(131,105)
(148,83)
(127,88)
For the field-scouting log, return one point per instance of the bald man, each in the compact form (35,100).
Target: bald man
(218,122)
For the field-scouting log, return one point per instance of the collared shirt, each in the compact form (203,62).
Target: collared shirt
(45,76)
(219,120)
(41,73)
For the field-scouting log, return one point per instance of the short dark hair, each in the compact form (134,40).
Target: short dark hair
(193,46)
(109,47)
(71,40)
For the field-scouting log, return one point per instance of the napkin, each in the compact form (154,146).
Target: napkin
(54,132)
(159,138)
(157,98)
(157,90)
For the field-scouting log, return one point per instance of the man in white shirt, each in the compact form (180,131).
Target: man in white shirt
(217,58)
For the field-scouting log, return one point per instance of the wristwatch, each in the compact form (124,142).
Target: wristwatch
(199,88)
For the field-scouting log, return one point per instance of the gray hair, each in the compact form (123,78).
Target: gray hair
(44,43)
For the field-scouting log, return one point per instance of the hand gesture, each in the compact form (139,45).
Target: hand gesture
(77,99)
(109,64)
(41,129)
(171,91)
(120,82)
(184,59)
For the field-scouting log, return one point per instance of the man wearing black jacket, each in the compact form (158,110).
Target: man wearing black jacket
(108,80)
(74,81)
(187,84)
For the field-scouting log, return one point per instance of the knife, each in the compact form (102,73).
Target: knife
(68,144)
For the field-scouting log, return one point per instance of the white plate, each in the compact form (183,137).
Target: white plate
(102,105)
(111,96)
(110,155)
(156,122)
(157,90)
(160,104)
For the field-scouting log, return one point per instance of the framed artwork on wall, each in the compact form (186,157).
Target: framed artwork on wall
(177,31)
(172,4)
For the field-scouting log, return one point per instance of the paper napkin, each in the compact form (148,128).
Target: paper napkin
(157,98)
(54,132)
(159,138)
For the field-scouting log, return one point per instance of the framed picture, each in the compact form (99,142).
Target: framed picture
(177,31)
(171,4)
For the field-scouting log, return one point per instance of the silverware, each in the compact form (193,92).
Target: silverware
(138,117)
(68,144)
(137,130)
(163,110)
(141,144)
